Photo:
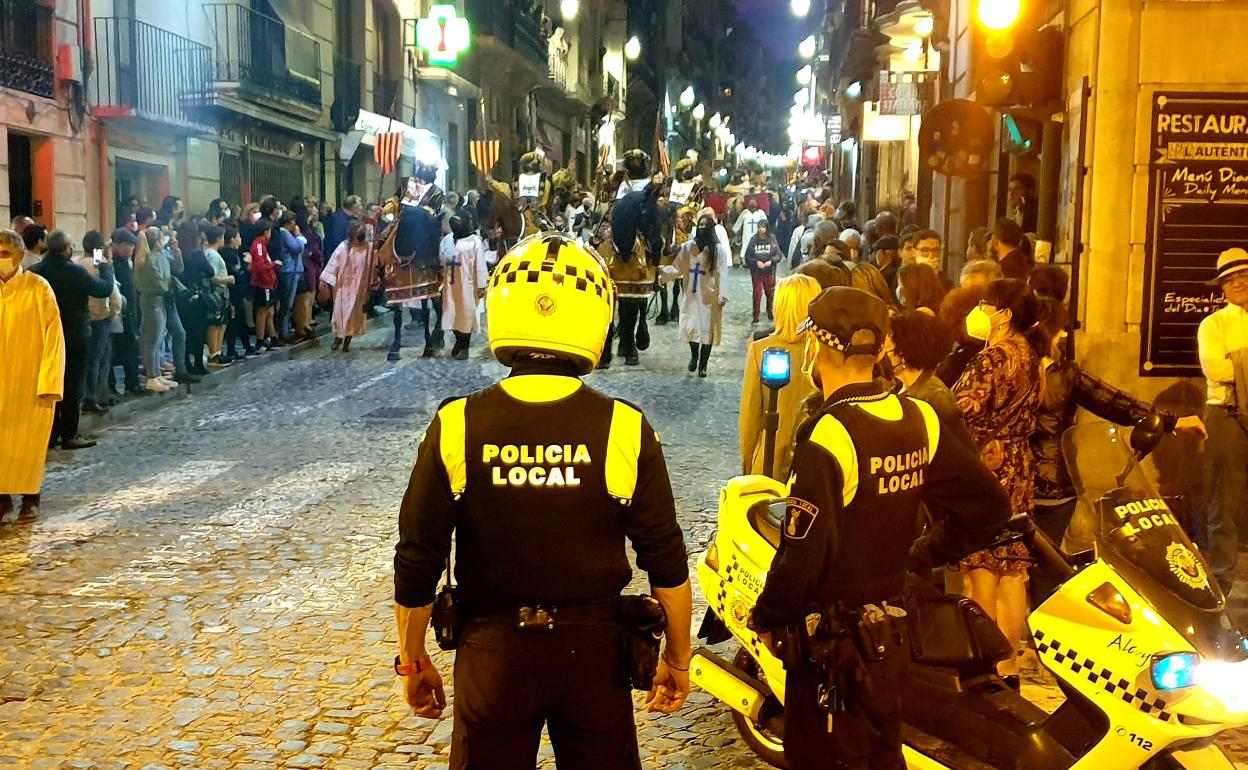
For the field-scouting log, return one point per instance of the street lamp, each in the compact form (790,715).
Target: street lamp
(699,112)
(997,15)
(924,26)
(800,7)
(806,48)
(854,90)
(568,9)
(632,49)
(687,96)
(804,75)
(801,98)
(716,121)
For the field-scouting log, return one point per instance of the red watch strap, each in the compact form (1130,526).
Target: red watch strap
(415,667)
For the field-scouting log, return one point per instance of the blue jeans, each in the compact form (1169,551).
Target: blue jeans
(152,328)
(99,361)
(177,337)
(287,288)
(1226,490)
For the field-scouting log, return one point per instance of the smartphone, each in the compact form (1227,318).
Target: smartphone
(97,256)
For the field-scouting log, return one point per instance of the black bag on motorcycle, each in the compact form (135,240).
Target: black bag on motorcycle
(947,630)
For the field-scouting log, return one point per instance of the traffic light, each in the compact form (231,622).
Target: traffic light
(812,156)
(1012,62)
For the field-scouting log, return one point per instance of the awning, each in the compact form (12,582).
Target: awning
(415,140)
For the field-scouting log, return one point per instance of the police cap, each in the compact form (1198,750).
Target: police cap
(840,312)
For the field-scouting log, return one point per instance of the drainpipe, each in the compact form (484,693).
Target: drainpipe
(101,143)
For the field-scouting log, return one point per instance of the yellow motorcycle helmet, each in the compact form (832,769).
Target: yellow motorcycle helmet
(551,295)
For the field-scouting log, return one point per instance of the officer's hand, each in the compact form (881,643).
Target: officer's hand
(425,694)
(669,691)
(769,642)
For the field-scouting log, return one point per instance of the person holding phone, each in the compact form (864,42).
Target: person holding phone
(73,287)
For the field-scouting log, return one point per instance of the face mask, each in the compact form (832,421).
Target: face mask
(226,214)
(255,216)
(7,265)
(979,324)
(901,299)
(387,217)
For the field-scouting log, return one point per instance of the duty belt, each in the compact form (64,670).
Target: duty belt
(539,617)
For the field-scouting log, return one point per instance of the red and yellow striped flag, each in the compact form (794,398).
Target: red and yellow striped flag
(484,154)
(386,150)
(665,162)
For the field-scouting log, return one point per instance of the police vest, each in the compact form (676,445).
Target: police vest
(542,488)
(883,445)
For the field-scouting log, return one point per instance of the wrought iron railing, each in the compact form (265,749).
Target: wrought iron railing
(147,69)
(26,46)
(386,95)
(515,27)
(258,50)
(347,88)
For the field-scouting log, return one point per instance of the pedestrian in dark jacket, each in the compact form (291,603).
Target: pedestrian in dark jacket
(338,223)
(73,286)
(761,255)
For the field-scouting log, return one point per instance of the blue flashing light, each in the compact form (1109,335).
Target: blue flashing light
(1175,671)
(776,368)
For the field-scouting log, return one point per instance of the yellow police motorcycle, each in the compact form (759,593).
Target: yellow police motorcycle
(1135,631)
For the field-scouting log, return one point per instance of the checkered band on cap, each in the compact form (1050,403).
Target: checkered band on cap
(826,337)
(522,265)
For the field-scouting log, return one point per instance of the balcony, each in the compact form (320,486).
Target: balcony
(26,46)
(511,27)
(262,55)
(146,72)
(347,88)
(386,96)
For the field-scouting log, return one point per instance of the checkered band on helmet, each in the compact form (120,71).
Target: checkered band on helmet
(549,264)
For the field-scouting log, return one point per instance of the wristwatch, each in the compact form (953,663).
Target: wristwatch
(415,667)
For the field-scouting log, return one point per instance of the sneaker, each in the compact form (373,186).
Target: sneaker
(77,443)
(158,385)
(168,382)
(253,352)
(218,362)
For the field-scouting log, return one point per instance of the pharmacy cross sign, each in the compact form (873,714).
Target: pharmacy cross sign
(442,34)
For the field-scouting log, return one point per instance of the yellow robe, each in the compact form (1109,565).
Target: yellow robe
(32,347)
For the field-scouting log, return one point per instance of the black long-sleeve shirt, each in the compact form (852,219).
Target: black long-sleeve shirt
(858,481)
(73,286)
(520,537)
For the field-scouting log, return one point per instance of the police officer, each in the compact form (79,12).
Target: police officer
(542,480)
(863,465)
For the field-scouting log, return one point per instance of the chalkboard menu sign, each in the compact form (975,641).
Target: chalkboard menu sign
(1197,208)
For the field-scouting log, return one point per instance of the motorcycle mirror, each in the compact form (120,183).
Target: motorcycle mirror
(776,370)
(1147,435)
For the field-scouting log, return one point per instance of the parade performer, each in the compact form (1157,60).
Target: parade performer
(636,244)
(347,276)
(32,344)
(702,265)
(543,636)
(533,193)
(464,277)
(409,256)
(684,197)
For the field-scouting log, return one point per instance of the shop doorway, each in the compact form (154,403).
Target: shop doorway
(21,177)
(147,183)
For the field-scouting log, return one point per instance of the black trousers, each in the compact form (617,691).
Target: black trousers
(68,409)
(509,683)
(867,736)
(236,330)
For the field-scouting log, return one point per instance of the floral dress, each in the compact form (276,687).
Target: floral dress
(999,393)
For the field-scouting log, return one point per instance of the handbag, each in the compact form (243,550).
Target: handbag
(178,290)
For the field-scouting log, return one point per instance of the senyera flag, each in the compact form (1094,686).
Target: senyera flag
(484,154)
(665,163)
(386,150)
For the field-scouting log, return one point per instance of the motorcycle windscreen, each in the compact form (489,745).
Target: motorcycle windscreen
(1133,525)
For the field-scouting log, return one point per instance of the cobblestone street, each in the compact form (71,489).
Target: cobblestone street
(211,585)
